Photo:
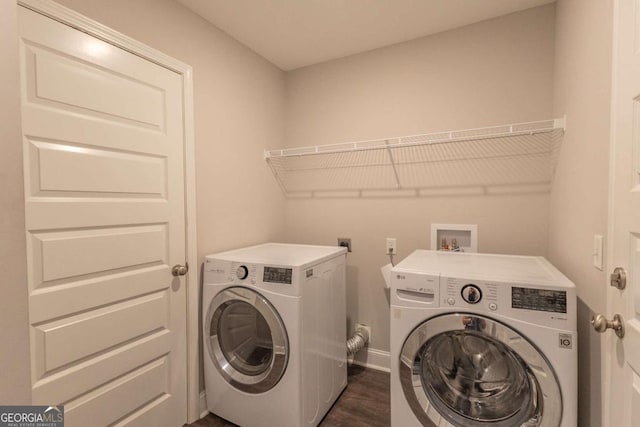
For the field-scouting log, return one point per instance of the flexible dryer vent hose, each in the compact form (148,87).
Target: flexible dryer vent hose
(358,340)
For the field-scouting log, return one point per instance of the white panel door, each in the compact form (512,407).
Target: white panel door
(104,191)
(623,404)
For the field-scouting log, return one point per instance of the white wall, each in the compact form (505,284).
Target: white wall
(15,385)
(578,205)
(494,72)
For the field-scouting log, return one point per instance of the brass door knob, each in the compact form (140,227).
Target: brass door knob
(601,324)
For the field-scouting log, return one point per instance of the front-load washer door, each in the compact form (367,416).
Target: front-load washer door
(473,371)
(246,340)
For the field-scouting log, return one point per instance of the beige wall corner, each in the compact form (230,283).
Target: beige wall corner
(15,386)
(578,204)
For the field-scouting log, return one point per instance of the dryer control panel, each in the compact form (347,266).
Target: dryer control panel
(277,275)
(276,278)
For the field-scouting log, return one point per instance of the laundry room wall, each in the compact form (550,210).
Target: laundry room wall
(494,72)
(578,205)
(15,387)
(238,109)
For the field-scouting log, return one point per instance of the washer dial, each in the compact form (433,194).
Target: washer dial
(471,294)
(242,272)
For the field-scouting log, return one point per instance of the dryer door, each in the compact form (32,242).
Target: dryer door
(246,340)
(470,370)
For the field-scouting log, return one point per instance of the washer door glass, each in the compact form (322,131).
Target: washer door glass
(474,371)
(247,340)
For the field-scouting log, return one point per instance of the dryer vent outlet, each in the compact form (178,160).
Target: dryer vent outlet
(366,328)
(359,339)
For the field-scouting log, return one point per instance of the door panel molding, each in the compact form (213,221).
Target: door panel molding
(75,20)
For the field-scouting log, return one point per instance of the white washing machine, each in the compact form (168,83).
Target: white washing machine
(274,330)
(481,340)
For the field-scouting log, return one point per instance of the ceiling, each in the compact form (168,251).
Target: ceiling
(296,33)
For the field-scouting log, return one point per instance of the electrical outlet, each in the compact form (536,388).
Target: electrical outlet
(391,246)
(345,242)
(365,327)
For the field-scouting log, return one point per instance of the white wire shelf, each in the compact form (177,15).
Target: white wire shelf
(496,158)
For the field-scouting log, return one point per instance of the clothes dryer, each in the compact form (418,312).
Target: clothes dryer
(274,329)
(481,340)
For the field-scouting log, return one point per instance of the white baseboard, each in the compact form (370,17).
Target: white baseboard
(204,411)
(374,359)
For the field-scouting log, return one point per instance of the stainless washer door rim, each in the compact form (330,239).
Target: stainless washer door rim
(538,367)
(266,380)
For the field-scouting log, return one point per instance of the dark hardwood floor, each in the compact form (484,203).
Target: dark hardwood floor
(364,403)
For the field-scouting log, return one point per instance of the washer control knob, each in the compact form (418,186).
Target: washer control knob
(493,306)
(471,293)
(242,272)
(451,301)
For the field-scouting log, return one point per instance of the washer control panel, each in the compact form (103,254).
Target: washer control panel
(469,293)
(552,301)
(546,305)
(501,297)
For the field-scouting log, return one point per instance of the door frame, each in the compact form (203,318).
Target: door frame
(608,340)
(80,22)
